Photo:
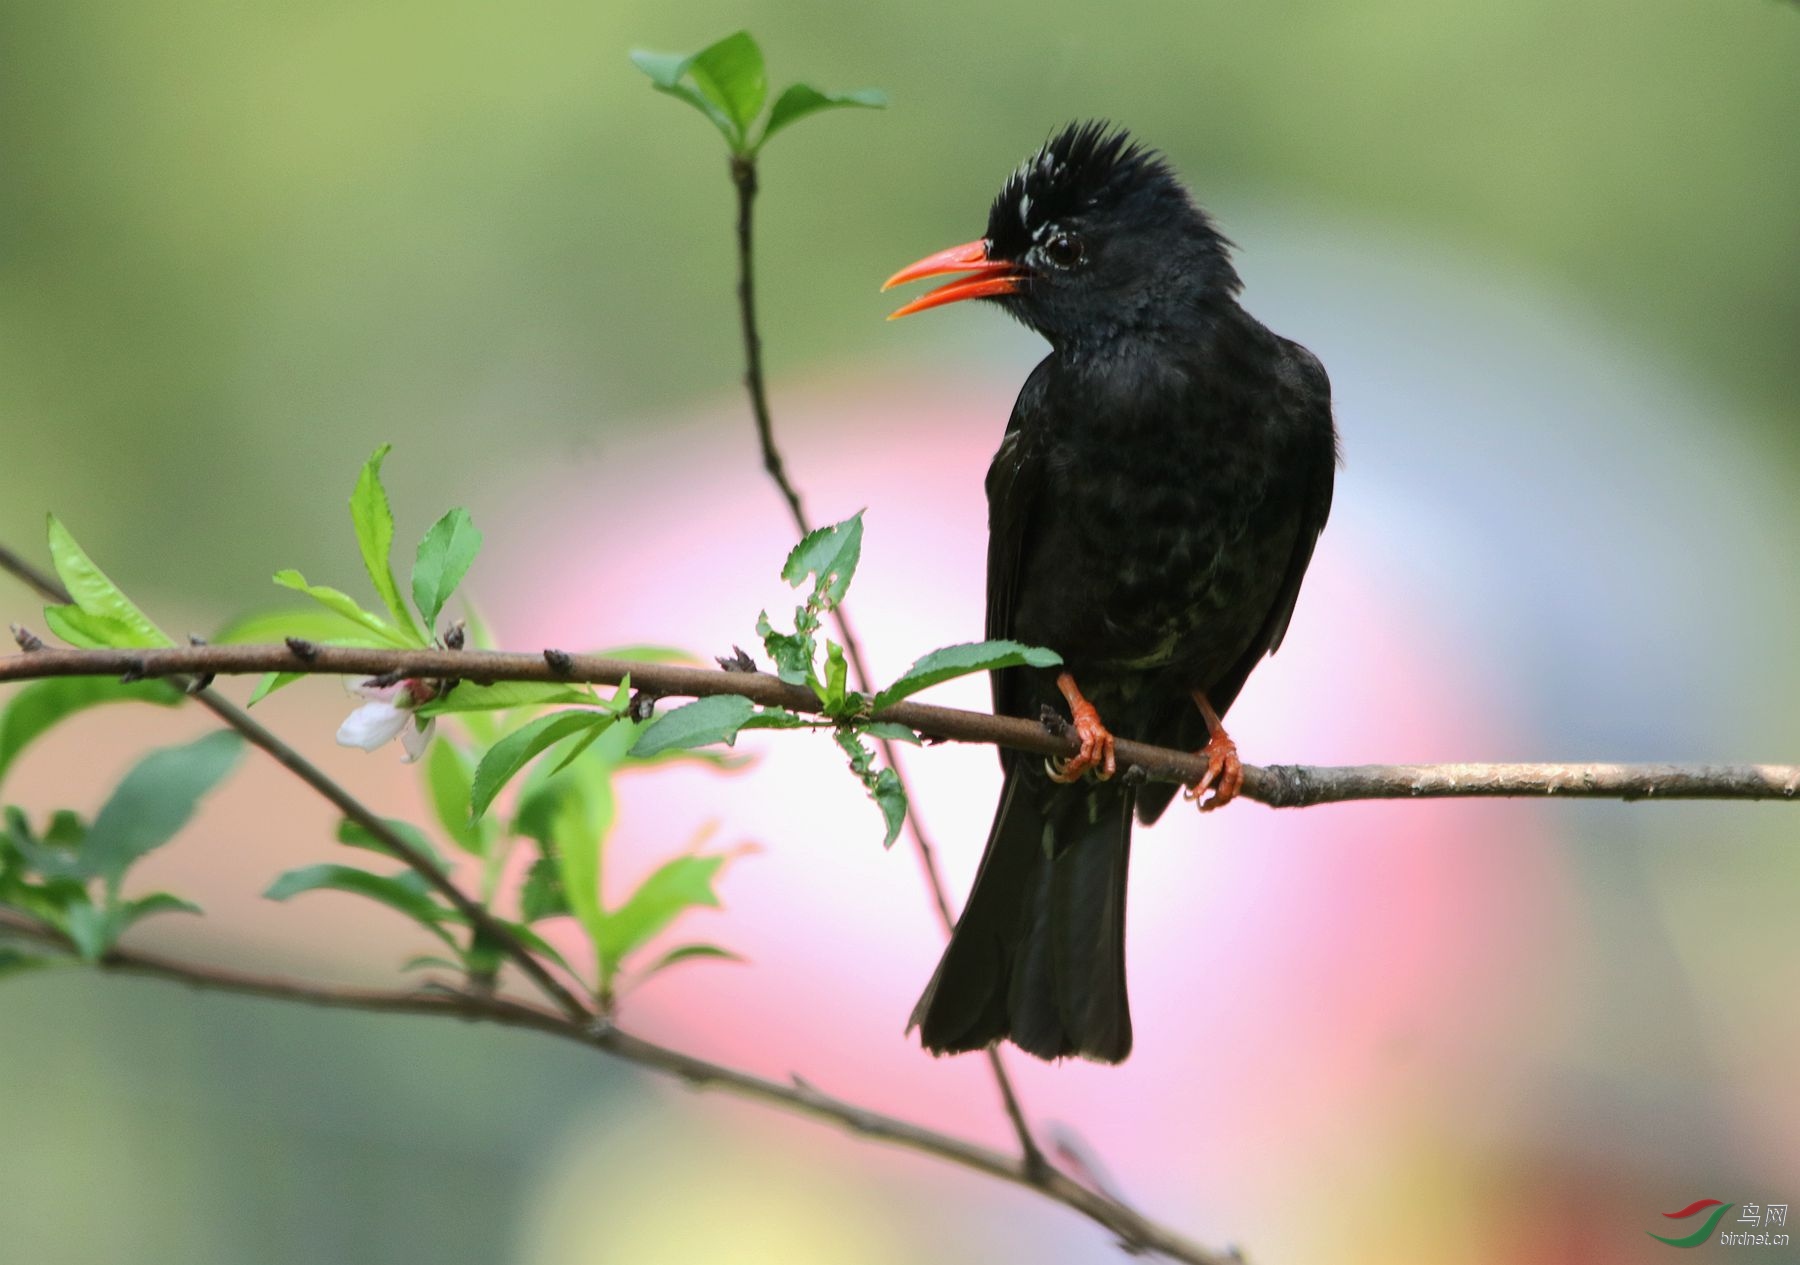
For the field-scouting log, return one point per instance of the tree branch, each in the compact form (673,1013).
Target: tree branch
(1135,1231)
(258,735)
(1276,785)
(743,179)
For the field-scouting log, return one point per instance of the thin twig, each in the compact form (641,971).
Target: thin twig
(797,1096)
(743,179)
(1276,785)
(259,735)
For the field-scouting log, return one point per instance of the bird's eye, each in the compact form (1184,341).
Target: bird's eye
(1063,250)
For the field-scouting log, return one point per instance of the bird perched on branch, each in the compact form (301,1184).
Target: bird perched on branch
(1151,512)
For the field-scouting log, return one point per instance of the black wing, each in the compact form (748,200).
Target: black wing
(1013,482)
(1304,395)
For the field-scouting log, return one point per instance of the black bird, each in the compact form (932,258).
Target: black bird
(1151,511)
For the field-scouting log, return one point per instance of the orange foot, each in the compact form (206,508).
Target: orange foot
(1096,740)
(1224,775)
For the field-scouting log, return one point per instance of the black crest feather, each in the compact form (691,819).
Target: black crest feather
(1086,165)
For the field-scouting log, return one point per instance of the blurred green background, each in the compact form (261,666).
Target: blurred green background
(240,245)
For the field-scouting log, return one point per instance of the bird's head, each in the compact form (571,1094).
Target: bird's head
(1091,237)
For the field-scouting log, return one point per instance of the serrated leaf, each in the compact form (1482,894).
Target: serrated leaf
(890,796)
(97,596)
(792,652)
(799,100)
(678,885)
(154,800)
(512,753)
(730,74)
(954,661)
(345,605)
(373,520)
(697,724)
(468,697)
(892,731)
(405,893)
(444,558)
(688,953)
(781,718)
(829,553)
(41,705)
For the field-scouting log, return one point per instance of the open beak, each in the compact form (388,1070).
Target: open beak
(987,277)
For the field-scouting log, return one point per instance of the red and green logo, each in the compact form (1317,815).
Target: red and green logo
(1719,1209)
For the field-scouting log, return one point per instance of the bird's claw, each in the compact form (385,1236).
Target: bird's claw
(1224,775)
(1096,748)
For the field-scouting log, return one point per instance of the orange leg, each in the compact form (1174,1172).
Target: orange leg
(1224,771)
(1096,741)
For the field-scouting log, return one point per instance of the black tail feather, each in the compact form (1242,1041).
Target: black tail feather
(1038,956)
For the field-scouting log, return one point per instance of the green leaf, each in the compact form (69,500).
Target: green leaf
(90,632)
(536,943)
(448,777)
(955,661)
(155,800)
(542,895)
(892,731)
(57,855)
(353,834)
(890,796)
(681,884)
(666,71)
(781,718)
(14,960)
(519,748)
(468,697)
(374,523)
(345,605)
(730,74)
(697,724)
(829,553)
(98,596)
(318,624)
(41,705)
(444,558)
(884,786)
(406,892)
(132,911)
(570,820)
(92,928)
(688,953)
(800,100)
(792,652)
(269,682)
(832,692)
(649,654)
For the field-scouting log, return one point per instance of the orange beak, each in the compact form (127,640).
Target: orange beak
(987,277)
